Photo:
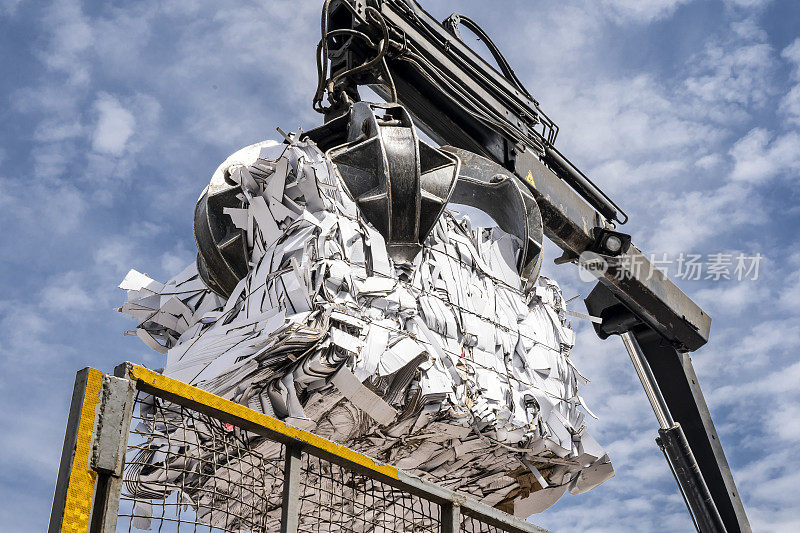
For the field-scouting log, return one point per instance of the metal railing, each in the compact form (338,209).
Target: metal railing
(143,452)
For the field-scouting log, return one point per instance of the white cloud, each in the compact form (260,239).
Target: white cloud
(792,54)
(731,79)
(749,29)
(710,161)
(748,3)
(790,105)
(176,260)
(66,295)
(759,156)
(55,130)
(36,455)
(643,10)
(57,211)
(638,122)
(770,381)
(115,125)
(730,298)
(117,253)
(71,36)
(692,217)
(789,294)
(781,421)
(51,160)
(646,172)
(21,326)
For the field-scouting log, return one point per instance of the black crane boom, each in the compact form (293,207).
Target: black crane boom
(459,100)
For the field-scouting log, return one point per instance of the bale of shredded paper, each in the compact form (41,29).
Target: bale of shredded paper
(444,367)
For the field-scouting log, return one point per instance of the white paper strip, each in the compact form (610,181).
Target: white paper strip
(363,398)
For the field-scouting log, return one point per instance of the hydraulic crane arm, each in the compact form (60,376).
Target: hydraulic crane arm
(458,99)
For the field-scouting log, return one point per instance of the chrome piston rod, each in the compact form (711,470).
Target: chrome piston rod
(676,447)
(648,380)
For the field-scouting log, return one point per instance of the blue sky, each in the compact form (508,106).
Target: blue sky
(687,111)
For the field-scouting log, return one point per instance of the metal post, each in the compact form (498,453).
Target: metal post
(451,517)
(68,452)
(648,380)
(290,509)
(109,444)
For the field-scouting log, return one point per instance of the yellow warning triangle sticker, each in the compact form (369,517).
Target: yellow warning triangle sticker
(529,179)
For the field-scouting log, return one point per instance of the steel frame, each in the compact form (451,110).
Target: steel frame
(89,479)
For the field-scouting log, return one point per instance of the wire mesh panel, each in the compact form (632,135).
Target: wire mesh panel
(471,524)
(186,471)
(336,499)
(191,466)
